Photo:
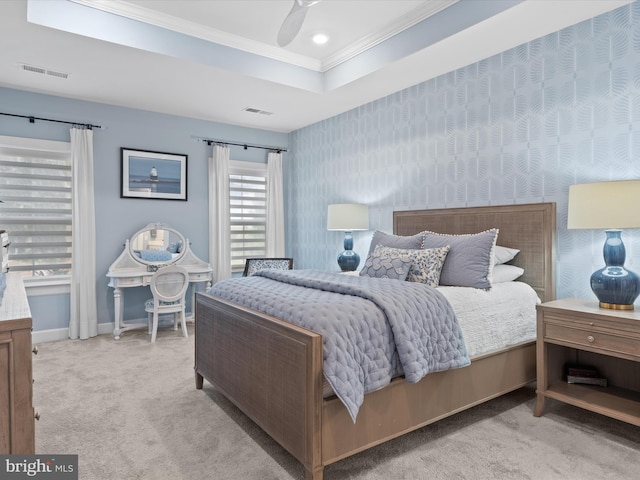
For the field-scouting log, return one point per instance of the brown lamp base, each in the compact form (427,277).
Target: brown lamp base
(616,306)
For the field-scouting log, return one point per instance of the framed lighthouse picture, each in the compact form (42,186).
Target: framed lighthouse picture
(156,175)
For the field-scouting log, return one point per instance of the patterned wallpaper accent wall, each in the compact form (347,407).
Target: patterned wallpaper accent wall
(519,127)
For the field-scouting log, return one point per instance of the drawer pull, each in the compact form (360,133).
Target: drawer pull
(37,416)
(35,349)
(591,339)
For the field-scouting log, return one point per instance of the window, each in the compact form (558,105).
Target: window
(248,205)
(35,186)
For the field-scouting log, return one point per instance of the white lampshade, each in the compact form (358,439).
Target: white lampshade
(348,217)
(604,205)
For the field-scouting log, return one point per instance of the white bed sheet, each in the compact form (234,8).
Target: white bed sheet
(508,315)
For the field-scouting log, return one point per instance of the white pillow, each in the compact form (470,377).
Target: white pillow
(504,254)
(506,273)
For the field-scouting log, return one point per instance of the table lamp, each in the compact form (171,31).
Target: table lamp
(348,217)
(610,206)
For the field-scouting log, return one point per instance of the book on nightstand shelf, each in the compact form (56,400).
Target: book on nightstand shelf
(585,375)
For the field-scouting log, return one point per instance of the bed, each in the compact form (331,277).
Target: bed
(272,370)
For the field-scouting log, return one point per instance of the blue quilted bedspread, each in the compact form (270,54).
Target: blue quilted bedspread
(373,329)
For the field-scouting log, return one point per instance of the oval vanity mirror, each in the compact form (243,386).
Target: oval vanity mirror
(157,244)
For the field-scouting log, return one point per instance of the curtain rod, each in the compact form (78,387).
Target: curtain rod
(32,119)
(210,141)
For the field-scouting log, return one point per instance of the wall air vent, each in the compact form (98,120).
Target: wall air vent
(43,71)
(256,110)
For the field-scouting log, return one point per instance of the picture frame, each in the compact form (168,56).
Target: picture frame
(153,175)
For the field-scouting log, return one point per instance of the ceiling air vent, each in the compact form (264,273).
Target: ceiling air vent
(43,71)
(256,110)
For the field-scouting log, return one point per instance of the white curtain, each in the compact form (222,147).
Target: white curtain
(275,206)
(219,221)
(83,323)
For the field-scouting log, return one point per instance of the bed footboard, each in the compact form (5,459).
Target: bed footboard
(270,369)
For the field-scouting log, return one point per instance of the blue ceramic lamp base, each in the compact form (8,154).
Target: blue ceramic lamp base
(348,260)
(615,287)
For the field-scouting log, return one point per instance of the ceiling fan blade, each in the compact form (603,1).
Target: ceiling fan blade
(294,20)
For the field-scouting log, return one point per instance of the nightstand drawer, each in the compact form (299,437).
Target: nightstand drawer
(594,340)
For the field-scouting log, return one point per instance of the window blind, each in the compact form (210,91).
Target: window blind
(248,210)
(35,186)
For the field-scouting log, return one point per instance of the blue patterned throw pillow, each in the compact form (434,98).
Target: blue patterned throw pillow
(175,247)
(382,263)
(426,264)
(155,255)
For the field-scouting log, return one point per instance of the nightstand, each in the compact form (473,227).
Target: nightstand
(575,331)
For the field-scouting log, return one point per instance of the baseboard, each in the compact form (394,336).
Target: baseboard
(57,334)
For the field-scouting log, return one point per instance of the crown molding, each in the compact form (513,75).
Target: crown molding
(408,20)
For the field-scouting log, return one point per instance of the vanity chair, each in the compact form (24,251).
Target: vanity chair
(150,249)
(169,287)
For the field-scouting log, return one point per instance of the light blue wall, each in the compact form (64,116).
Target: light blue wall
(519,127)
(118,218)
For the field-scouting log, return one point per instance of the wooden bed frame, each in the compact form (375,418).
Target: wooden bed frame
(272,370)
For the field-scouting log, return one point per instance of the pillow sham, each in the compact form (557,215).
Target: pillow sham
(412,242)
(382,263)
(426,264)
(505,273)
(155,255)
(469,262)
(504,254)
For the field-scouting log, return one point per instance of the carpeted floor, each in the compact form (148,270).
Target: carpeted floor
(130,410)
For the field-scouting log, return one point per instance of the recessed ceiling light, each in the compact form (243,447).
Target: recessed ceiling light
(320,39)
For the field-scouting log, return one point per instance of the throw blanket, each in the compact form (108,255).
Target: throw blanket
(373,329)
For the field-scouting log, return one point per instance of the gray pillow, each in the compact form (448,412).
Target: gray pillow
(469,262)
(386,263)
(412,242)
(426,264)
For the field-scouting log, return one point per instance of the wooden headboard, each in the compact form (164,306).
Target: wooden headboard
(529,227)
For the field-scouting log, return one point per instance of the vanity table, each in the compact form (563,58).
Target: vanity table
(153,247)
